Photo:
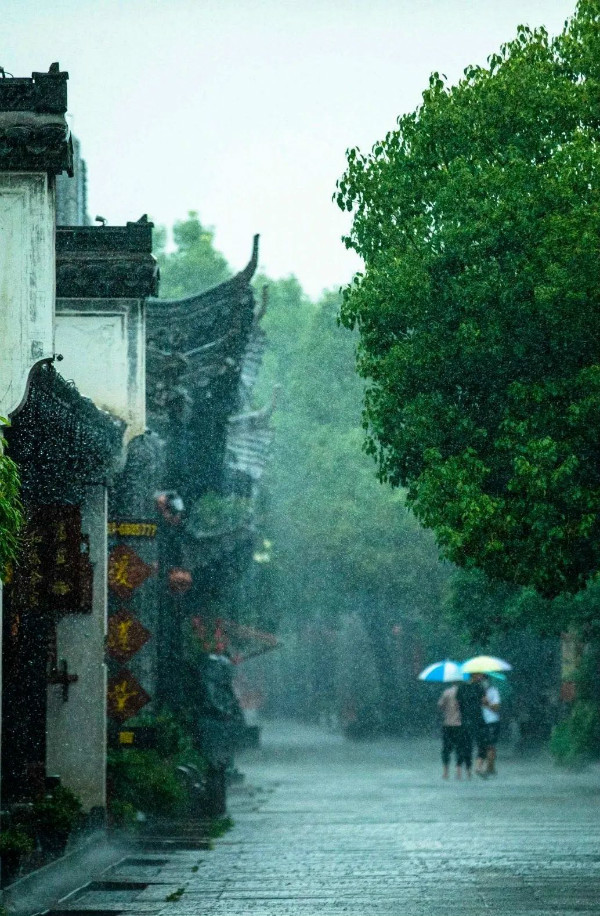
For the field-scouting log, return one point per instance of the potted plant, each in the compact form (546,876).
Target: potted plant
(55,816)
(14,844)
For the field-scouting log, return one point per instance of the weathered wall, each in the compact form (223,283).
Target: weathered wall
(76,741)
(26,280)
(102,342)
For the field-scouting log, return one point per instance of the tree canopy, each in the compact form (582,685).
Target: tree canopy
(193,264)
(478,221)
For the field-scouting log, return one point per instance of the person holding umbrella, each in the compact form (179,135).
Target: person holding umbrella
(452,734)
(470,697)
(479,705)
(491,716)
(452,730)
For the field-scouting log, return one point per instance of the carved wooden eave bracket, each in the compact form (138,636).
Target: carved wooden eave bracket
(34,134)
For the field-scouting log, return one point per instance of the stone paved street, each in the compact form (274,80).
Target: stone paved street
(324,826)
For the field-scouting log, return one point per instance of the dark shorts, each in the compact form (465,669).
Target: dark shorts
(492,730)
(456,740)
(450,742)
(477,735)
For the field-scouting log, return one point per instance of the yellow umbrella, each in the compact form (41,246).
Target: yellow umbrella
(485,664)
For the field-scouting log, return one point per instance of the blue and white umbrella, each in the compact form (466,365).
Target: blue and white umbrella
(443,672)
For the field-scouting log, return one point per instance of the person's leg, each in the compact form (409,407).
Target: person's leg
(446,750)
(466,749)
(491,749)
(457,750)
(481,739)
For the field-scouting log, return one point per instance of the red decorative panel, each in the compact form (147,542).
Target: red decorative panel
(126,635)
(126,571)
(126,696)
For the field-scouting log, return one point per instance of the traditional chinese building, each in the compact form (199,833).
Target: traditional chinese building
(64,447)
(104,274)
(202,351)
(54,601)
(248,448)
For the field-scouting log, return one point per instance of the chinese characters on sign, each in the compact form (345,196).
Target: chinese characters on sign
(126,571)
(126,635)
(54,569)
(126,696)
(130,529)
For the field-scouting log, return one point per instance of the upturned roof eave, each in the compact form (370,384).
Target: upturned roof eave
(216,293)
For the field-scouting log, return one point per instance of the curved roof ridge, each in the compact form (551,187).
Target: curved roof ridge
(243,276)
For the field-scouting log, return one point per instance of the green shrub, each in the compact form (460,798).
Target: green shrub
(145,780)
(122,814)
(15,840)
(58,812)
(577,738)
(220,826)
(11,509)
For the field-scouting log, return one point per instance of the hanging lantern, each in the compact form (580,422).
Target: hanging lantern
(180,580)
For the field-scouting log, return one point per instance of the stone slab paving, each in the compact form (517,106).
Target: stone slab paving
(334,828)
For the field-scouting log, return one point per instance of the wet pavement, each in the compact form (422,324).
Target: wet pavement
(324,826)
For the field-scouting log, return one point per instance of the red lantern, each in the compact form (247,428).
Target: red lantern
(180,580)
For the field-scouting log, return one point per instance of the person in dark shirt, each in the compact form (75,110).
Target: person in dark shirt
(470,697)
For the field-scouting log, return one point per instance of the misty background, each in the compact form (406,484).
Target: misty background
(242,113)
(243,110)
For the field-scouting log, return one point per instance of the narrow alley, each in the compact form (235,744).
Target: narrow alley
(324,826)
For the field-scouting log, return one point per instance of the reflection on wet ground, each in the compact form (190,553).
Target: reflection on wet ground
(324,826)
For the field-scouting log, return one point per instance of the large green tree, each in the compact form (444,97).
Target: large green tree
(478,220)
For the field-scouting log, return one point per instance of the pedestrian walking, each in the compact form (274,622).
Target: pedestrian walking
(452,733)
(470,696)
(491,717)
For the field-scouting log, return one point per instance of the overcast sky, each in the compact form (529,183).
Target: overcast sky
(242,109)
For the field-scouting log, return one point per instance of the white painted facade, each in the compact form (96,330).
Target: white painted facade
(102,342)
(76,727)
(27,280)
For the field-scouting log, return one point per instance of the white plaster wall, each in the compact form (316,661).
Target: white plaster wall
(103,348)
(76,738)
(27,280)
(94,350)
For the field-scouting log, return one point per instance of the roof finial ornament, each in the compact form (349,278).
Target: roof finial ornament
(100,219)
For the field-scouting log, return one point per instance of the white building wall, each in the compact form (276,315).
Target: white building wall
(76,738)
(103,346)
(27,280)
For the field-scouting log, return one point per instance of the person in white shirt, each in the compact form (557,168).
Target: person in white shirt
(491,717)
